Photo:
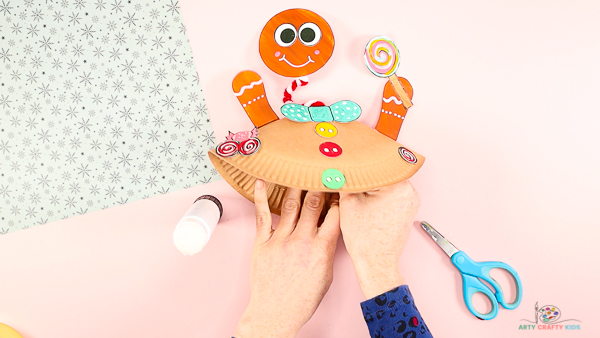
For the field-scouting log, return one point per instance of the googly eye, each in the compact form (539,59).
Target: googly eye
(285,35)
(310,34)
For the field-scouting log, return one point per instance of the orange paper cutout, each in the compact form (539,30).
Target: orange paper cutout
(296,42)
(248,87)
(393,111)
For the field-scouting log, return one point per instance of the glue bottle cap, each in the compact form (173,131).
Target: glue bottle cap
(197,225)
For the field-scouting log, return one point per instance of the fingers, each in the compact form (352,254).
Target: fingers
(374,193)
(263,213)
(289,212)
(311,211)
(334,200)
(330,229)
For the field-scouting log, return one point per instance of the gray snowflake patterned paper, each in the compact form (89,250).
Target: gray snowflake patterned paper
(100,105)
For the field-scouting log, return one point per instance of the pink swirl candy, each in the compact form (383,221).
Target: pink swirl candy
(382,57)
(249,146)
(227,148)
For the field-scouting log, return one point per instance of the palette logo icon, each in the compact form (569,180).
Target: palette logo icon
(549,314)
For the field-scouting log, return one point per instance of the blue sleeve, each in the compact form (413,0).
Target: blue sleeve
(394,315)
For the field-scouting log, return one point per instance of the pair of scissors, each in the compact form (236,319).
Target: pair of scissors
(472,271)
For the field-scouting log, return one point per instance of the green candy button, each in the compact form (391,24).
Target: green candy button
(333,179)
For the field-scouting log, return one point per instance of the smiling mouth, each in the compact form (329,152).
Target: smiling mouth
(296,66)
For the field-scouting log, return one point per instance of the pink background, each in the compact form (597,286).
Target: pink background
(505,110)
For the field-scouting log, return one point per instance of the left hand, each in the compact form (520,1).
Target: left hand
(292,266)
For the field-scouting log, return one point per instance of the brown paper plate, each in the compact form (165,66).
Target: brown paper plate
(290,156)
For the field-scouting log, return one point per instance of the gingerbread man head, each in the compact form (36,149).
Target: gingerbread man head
(296,42)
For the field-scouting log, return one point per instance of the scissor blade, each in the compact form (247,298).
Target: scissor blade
(448,248)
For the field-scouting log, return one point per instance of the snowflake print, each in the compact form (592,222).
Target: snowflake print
(208,138)
(98,97)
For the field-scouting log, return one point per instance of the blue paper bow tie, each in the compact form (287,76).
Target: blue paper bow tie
(342,111)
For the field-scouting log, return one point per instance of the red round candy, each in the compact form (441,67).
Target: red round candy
(249,146)
(330,149)
(227,148)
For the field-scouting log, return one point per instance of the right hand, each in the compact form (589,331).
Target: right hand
(375,227)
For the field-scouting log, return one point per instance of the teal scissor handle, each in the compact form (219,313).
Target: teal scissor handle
(472,270)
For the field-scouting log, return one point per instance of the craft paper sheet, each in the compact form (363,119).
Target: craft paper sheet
(100,105)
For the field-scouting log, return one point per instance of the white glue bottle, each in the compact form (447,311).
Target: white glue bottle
(194,229)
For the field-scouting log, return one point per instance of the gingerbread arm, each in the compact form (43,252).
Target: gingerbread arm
(393,111)
(248,87)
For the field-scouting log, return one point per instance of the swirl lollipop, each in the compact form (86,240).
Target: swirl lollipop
(382,58)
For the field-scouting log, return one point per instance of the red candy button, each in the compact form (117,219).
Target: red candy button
(330,149)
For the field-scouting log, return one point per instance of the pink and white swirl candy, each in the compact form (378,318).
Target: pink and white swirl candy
(227,148)
(382,56)
(249,146)
(407,155)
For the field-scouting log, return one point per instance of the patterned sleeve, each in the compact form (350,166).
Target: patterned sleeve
(394,315)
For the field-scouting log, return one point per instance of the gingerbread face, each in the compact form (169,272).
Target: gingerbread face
(296,42)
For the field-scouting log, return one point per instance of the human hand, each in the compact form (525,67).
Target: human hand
(375,227)
(292,266)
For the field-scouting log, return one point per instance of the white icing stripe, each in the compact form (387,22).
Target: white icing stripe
(392,98)
(250,86)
